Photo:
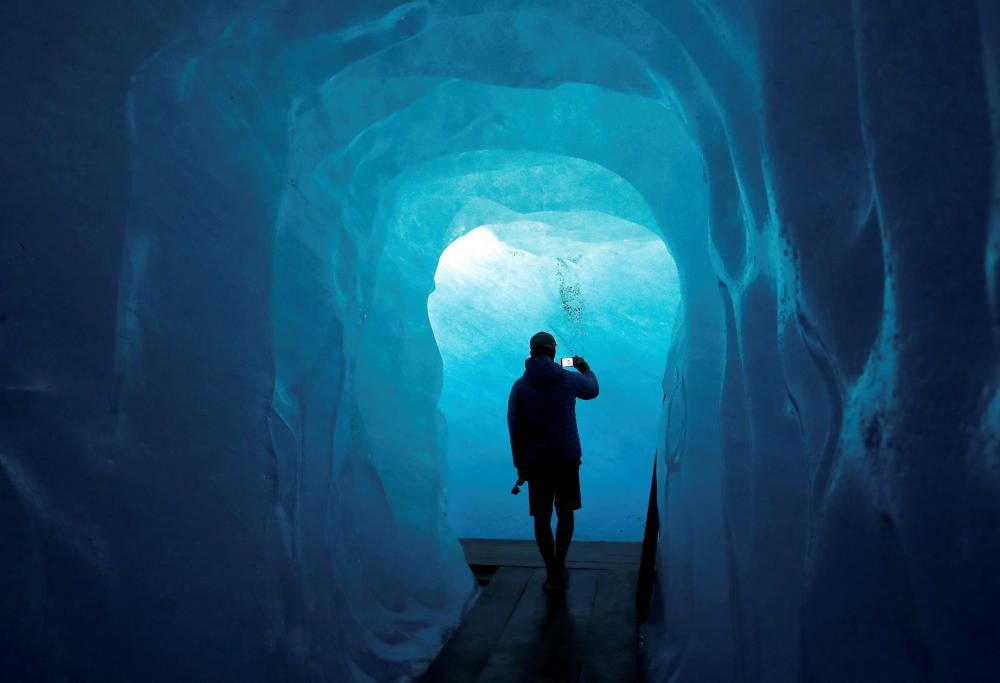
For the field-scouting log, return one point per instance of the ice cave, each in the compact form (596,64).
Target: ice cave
(270,268)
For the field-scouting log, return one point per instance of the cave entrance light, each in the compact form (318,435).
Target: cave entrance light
(608,289)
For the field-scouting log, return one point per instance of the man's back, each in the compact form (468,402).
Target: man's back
(541,412)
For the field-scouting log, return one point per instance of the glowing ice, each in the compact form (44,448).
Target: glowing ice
(500,284)
(222,456)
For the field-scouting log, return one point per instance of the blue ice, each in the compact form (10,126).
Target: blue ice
(608,291)
(238,440)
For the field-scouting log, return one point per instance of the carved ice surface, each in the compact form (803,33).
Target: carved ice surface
(222,455)
(498,285)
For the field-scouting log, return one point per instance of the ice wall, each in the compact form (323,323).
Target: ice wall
(217,220)
(608,290)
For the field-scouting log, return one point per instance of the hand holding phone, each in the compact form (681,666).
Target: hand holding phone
(575,362)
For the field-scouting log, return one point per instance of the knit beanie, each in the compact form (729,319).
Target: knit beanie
(543,340)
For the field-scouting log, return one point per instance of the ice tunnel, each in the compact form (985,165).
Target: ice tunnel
(224,452)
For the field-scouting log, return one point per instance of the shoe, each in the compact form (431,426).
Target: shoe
(551,586)
(557,583)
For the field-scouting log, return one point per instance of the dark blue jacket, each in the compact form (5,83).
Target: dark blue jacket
(541,412)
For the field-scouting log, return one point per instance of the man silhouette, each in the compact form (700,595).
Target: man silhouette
(541,417)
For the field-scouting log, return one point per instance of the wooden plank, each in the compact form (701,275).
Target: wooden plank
(465,653)
(565,638)
(582,554)
(612,648)
(516,632)
(545,637)
(516,650)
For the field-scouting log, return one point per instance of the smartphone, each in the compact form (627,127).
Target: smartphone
(567,362)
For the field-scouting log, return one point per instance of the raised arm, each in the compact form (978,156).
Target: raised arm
(585,383)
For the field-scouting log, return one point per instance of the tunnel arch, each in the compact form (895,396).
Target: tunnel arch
(337,180)
(304,442)
(191,490)
(412,269)
(303,137)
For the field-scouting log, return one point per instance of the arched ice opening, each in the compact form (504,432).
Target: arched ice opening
(608,290)
(202,472)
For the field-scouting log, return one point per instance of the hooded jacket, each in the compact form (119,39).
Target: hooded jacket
(541,412)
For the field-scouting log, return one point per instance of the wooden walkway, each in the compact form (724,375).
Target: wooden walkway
(518,633)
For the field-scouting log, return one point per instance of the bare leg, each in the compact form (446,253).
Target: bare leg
(543,537)
(564,534)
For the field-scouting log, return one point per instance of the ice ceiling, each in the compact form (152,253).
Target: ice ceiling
(226,458)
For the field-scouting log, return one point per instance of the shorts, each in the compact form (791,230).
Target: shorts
(559,483)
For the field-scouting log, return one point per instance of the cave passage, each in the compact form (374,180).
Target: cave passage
(608,290)
(234,332)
